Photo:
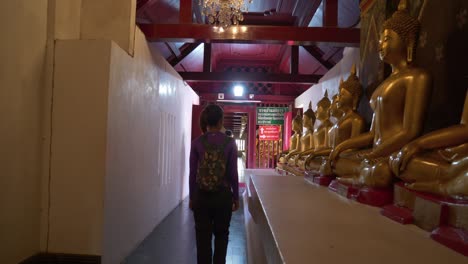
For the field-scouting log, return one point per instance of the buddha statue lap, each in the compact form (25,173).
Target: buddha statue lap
(436,162)
(349,123)
(295,139)
(320,135)
(306,139)
(399,105)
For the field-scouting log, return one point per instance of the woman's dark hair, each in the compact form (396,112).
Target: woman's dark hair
(213,114)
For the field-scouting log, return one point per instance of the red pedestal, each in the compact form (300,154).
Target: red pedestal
(309,176)
(323,180)
(400,214)
(454,238)
(375,196)
(345,190)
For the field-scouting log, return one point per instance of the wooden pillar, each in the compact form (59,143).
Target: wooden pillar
(252,114)
(330,13)
(294,59)
(207,57)
(185,12)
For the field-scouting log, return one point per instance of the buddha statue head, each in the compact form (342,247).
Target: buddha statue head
(297,123)
(322,107)
(334,110)
(350,91)
(309,117)
(399,38)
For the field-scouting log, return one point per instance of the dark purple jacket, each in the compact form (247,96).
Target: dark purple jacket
(230,152)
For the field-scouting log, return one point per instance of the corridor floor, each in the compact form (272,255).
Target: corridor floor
(173,240)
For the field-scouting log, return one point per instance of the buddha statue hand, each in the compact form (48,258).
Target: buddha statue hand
(325,168)
(296,159)
(308,159)
(334,155)
(400,159)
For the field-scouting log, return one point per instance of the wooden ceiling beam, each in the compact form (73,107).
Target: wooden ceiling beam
(184,53)
(318,56)
(347,37)
(249,77)
(273,99)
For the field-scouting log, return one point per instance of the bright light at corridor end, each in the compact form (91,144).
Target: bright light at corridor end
(238,90)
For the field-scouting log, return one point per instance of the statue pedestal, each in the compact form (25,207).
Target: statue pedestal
(345,190)
(366,195)
(318,179)
(375,196)
(446,218)
(293,170)
(451,237)
(280,169)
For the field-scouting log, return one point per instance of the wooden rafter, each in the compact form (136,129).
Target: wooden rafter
(252,34)
(249,77)
(189,47)
(318,56)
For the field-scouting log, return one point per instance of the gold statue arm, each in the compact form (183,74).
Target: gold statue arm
(416,100)
(322,152)
(446,137)
(357,128)
(360,141)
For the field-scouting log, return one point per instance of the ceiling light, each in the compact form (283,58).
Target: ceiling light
(224,13)
(238,90)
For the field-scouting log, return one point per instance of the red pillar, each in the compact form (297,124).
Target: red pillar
(252,137)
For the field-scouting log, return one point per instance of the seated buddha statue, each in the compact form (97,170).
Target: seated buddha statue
(349,125)
(436,162)
(294,143)
(308,120)
(320,135)
(399,104)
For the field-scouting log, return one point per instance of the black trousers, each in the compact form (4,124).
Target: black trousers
(212,213)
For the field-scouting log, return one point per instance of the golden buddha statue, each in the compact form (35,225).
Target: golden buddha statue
(307,141)
(399,105)
(320,135)
(294,143)
(349,125)
(436,162)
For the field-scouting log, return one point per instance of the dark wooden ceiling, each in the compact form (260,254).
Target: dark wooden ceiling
(288,45)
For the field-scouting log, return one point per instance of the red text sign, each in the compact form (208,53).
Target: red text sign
(269,132)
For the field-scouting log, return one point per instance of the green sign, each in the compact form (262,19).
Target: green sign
(271,115)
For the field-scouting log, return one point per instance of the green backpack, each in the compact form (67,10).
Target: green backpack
(212,166)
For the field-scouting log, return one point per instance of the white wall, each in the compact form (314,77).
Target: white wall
(79,136)
(149,128)
(330,81)
(23,24)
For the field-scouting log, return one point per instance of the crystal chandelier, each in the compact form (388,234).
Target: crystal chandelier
(224,13)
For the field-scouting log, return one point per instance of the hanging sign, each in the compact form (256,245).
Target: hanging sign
(269,132)
(271,115)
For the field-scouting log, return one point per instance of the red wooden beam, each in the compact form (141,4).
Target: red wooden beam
(348,37)
(294,60)
(274,99)
(330,13)
(249,77)
(185,15)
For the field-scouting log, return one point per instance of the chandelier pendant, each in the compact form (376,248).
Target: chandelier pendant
(224,13)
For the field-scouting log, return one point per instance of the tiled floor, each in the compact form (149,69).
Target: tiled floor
(173,241)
